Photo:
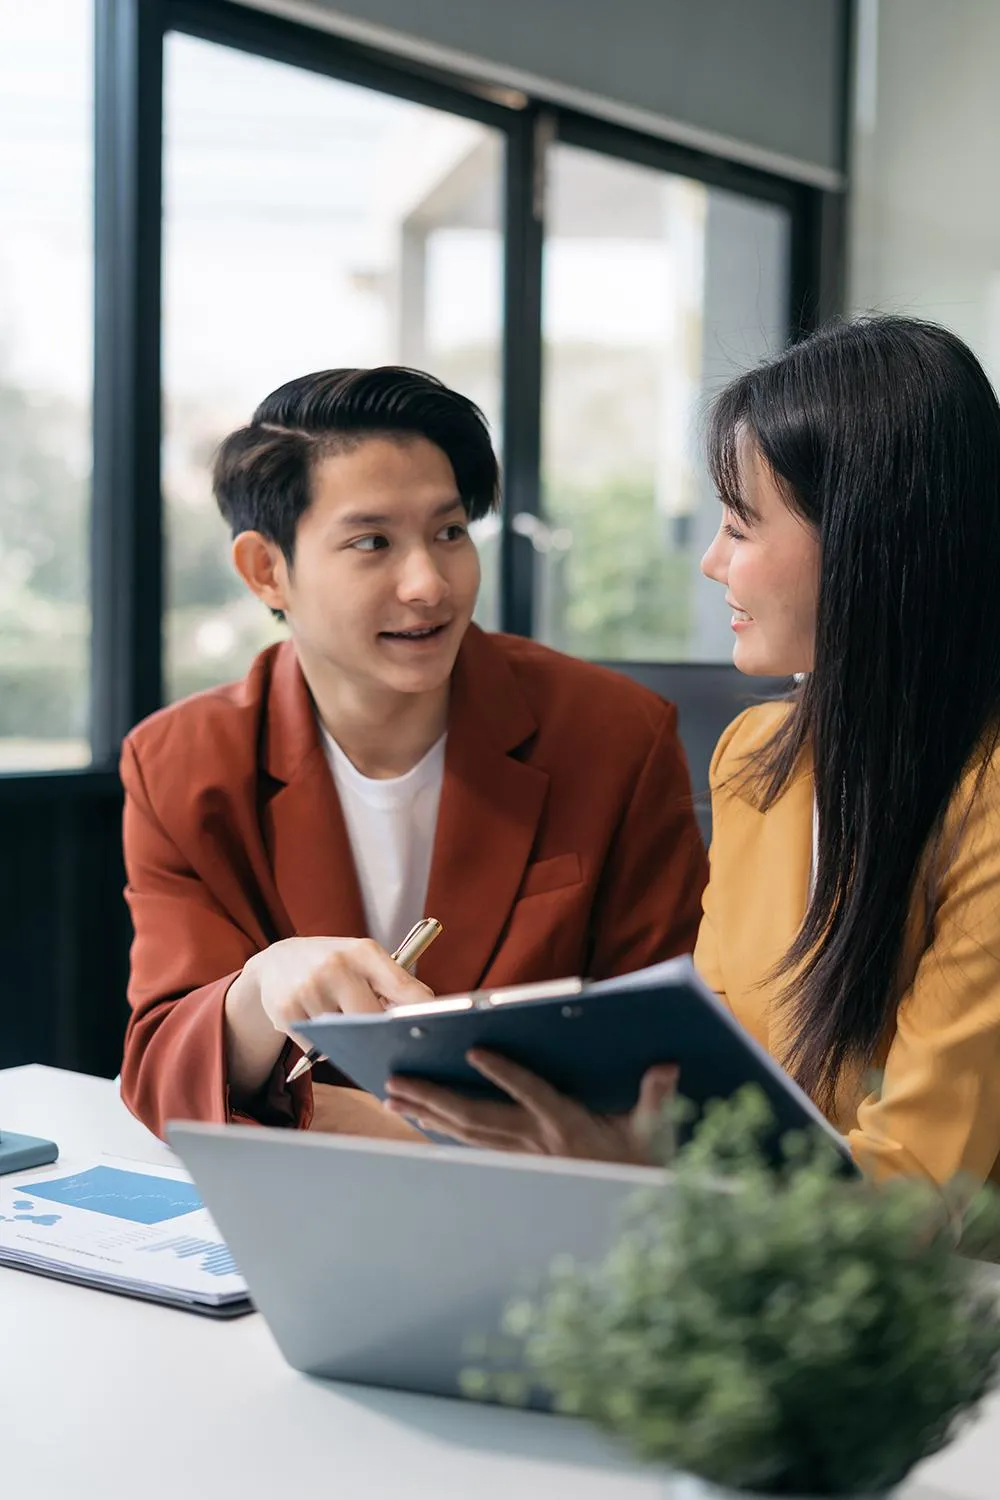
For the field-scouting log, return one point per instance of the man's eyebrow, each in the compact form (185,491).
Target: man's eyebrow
(367,518)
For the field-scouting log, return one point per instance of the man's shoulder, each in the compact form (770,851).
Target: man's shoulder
(556,684)
(216,723)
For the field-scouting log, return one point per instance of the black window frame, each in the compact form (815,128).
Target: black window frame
(127,536)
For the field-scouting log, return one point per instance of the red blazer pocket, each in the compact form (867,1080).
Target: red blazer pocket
(551,875)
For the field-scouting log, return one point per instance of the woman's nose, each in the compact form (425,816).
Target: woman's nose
(715,563)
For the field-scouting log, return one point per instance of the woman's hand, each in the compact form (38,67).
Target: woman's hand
(538,1119)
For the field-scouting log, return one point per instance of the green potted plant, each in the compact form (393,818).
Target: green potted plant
(768,1333)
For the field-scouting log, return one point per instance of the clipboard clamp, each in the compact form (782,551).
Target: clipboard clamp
(514,994)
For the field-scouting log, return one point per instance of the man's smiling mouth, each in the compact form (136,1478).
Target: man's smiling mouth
(417,633)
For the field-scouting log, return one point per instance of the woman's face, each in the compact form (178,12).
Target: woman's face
(770,569)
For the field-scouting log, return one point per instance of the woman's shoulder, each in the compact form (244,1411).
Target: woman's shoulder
(973,812)
(744,737)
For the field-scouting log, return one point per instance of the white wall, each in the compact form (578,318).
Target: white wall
(925,215)
(761,79)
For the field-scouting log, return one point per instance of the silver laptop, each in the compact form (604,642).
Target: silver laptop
(384,1263)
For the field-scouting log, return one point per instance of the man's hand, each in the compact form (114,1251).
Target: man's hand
(297,979)
(538,1119)
(305,977)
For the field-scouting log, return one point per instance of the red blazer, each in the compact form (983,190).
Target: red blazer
(566,844)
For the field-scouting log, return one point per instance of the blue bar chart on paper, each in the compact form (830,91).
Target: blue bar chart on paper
(216,1259)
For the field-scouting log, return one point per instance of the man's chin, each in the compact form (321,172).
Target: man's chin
(414,684)
(426,671)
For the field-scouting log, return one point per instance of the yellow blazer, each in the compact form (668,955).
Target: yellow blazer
(936,1109)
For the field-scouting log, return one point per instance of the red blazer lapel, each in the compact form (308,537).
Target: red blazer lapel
(303,826)
(491,804)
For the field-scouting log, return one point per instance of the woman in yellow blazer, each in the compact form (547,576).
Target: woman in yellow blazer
(852,920)
(852,916)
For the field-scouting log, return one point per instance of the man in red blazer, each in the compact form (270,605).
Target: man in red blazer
(389,761)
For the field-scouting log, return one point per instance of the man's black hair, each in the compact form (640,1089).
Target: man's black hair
(262,475)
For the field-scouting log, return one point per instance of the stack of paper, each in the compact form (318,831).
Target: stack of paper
(121,1225)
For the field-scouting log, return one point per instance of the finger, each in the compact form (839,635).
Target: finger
(305,1002)
(361,978)
(539,1098)
(339,986)
(659,1084)
(387,978)
(465,1114)
(488,1140)
(292,1010)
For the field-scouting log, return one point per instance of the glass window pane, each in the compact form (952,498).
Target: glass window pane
(46,300)
(656,288)
(309,224)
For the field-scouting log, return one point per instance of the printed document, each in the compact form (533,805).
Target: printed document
(123,1225)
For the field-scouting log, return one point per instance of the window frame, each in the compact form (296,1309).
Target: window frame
(127,531)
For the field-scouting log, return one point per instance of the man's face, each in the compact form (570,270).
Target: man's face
(385,575)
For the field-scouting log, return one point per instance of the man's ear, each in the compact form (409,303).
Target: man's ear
(262,566)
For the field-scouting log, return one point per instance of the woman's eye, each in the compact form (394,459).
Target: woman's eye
(731,532)
(370,544)
(453,533)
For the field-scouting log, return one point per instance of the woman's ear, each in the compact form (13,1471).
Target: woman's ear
(262,566)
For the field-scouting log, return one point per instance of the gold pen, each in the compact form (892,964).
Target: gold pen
(416,942)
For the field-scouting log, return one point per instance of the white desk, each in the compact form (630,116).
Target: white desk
(103,1398)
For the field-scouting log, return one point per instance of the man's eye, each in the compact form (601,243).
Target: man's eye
(370,543)
(453,533)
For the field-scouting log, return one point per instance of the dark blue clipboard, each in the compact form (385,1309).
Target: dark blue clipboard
(591,1041)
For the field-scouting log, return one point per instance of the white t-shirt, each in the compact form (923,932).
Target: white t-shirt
(391,826)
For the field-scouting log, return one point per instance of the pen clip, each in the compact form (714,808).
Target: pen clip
(417,927)
(416,942)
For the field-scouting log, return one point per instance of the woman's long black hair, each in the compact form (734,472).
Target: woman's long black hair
(884,434)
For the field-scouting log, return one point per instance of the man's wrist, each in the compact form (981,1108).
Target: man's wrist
(253,1044)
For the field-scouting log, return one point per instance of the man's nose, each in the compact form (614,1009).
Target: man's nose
(421,581)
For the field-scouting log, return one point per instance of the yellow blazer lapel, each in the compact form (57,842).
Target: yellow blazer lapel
(788,876)
(761,865)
